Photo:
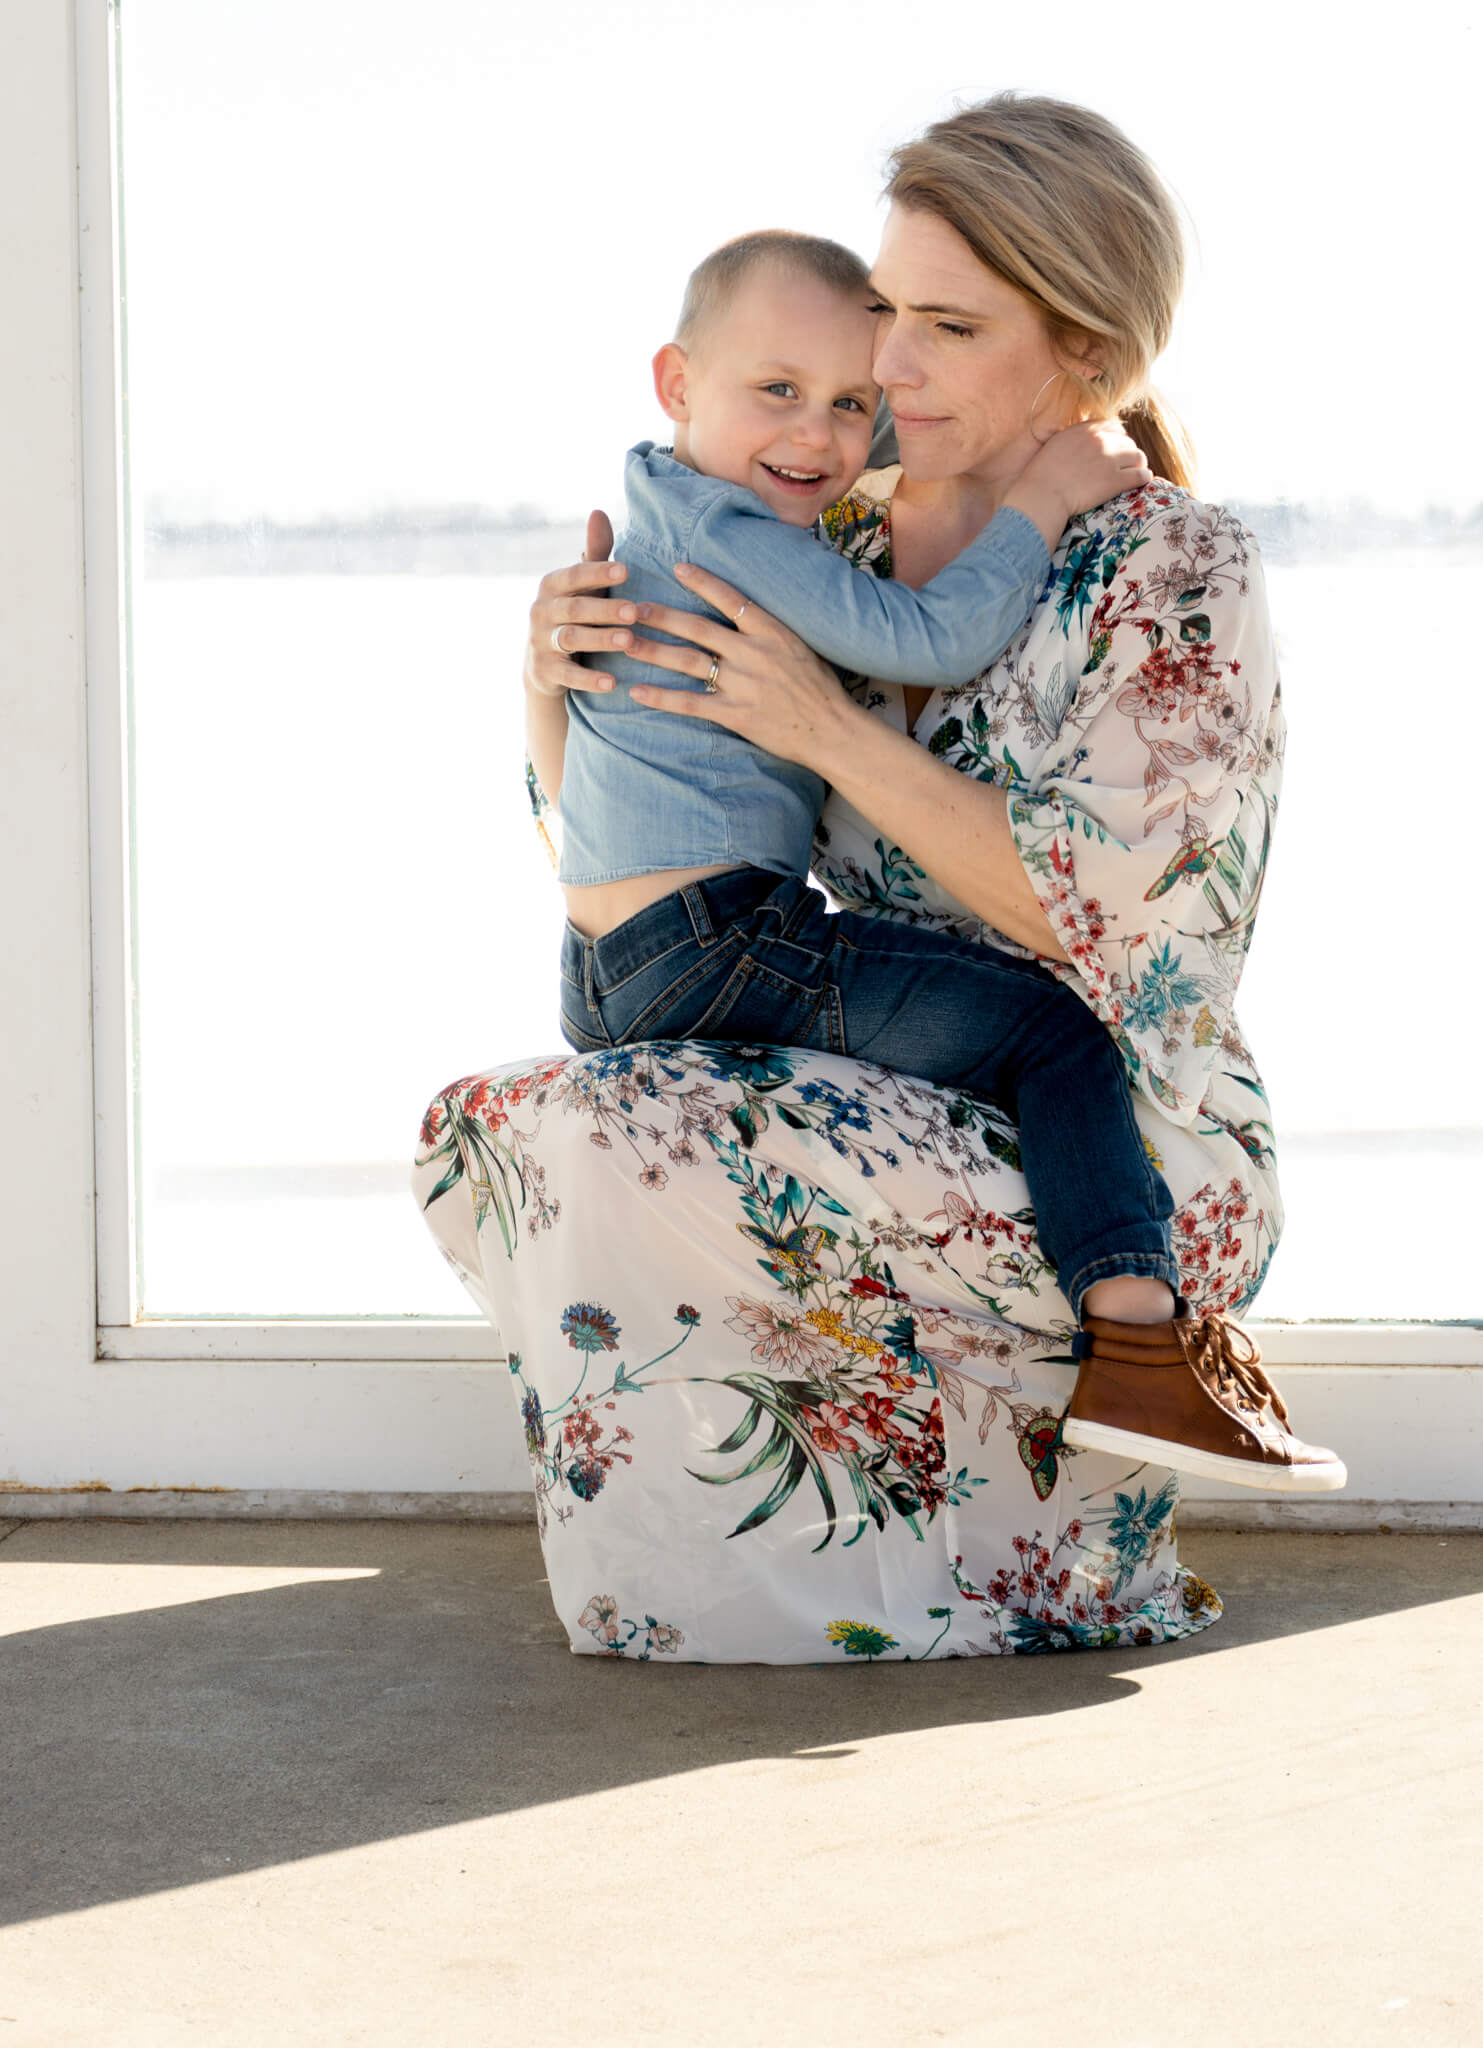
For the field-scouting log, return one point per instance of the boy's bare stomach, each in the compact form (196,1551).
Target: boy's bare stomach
(598,910)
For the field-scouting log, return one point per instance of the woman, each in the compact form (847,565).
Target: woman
(791,1366)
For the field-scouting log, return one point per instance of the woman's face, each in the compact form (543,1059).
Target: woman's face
(960,354)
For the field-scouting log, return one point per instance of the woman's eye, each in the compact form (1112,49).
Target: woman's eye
(879,306)
(948,328)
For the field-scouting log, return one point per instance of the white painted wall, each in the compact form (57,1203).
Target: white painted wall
(274,1433)
(46,1139)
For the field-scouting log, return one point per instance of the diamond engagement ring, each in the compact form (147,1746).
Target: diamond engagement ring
(711,685)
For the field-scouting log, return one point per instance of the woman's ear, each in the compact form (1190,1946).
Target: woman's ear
(1078,352)
(672,381)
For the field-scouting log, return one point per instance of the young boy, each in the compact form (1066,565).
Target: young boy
(686,848)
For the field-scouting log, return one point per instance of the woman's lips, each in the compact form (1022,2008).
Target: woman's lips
(916,423)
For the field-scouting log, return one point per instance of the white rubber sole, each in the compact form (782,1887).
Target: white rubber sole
(1157,1450)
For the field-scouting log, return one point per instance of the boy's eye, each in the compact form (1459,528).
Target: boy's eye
(779,390)
(852,403)
(879,306)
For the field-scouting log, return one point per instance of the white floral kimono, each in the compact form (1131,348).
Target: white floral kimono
(790,1361)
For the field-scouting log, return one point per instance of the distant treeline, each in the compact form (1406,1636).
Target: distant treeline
(469,541)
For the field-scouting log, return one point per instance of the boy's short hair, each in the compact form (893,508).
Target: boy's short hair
(715,279)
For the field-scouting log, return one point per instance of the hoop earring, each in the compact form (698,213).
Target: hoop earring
(1035,407)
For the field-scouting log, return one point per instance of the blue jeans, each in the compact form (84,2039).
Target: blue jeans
(750,958)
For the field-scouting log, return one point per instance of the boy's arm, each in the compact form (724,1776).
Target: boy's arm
(946,632)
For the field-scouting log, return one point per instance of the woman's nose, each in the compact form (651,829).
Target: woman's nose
(894,360)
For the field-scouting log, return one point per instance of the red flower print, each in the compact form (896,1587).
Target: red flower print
(831,1431)
(873,1414)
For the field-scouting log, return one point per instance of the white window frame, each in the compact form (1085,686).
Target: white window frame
(123,1332)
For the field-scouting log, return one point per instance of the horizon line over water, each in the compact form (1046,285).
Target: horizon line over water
(479,540)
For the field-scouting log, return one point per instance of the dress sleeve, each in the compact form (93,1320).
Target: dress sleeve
(1145,835)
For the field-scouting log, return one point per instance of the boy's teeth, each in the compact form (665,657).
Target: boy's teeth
(801,476)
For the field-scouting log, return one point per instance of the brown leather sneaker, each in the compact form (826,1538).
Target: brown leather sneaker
(1191,1394)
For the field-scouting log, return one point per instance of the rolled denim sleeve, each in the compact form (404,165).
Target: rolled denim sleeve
(947,632)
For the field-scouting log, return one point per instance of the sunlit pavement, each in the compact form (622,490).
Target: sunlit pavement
(343,1782)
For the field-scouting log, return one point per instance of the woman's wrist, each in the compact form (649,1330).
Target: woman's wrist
(837,724)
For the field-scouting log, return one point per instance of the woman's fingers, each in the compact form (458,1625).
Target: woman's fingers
(585,611)
(685,661)
(696,626)
(688,703)
(570,639)
(552,673)
(715,592)
(599,537)
(581,576)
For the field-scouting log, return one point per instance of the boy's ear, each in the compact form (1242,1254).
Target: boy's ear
(671,381)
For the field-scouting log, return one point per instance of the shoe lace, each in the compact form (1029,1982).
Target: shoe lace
(1231,1357)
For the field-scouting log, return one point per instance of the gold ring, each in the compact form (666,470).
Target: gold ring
(711,685)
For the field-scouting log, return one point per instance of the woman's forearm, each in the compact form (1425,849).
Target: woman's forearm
(955,828)
(545,738)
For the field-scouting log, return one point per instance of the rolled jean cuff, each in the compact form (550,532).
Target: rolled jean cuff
(1135,1265)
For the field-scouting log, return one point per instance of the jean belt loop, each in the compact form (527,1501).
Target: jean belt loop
(589,956)
(700,920)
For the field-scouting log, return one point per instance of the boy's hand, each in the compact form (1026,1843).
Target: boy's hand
(1077,468)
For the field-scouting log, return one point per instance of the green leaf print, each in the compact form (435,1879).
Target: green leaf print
(787,1444)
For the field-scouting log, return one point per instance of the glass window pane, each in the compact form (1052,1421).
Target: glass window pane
(394,278)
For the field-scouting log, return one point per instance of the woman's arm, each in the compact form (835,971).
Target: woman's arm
(545,738)
(775,691)
(953,826)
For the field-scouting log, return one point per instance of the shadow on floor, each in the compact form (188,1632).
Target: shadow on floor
(178,1743)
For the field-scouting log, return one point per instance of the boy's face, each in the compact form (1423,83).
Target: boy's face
(775,392)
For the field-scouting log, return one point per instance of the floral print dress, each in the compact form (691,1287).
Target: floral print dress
(789,1360)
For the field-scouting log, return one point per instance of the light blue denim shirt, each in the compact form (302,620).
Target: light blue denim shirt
(643,790)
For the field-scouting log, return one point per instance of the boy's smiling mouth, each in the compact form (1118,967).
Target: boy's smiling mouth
(800,480)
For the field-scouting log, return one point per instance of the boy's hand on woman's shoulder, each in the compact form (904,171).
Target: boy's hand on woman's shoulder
(1077,468)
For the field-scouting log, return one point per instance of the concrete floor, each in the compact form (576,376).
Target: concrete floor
(342,1783)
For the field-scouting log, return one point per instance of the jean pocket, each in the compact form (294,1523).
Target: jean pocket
(666,1000)
(759,1006)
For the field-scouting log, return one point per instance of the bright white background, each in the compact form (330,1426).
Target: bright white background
(379,259)
(379,252)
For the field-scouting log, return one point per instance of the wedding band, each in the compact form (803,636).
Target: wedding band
(711,685)
(556,640)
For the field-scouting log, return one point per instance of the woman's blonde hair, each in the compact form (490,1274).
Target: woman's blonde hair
(1061,205)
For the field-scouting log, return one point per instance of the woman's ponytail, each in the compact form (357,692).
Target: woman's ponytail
(1163,439)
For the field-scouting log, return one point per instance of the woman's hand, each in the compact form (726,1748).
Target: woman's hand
(585,624)
(771,688)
